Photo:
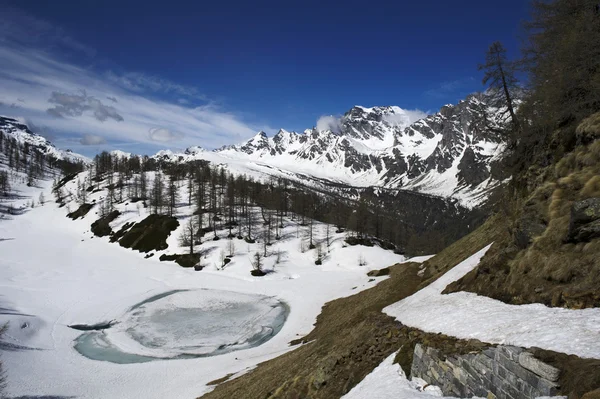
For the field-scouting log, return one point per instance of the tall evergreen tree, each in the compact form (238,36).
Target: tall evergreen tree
(501,80)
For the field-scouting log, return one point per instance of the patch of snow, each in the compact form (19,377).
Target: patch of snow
(467,315)
(388,380)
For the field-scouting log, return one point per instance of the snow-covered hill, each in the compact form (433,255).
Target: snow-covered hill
(28,162)
(448,154)
(13,128)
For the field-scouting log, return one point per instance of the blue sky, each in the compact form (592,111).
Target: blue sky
(142,76)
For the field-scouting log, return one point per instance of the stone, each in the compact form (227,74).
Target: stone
(498,371)
(527,229)
(419,351)
(588,232)
(585,220)
(547,388)
(529,362)
(512,352)
(483,364)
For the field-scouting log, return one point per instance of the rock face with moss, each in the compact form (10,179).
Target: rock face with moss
(150,234)
(585,220)
(550,232)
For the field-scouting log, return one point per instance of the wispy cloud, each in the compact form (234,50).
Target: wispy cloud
(139,82)
(84,106)
(21,29)
(452,88)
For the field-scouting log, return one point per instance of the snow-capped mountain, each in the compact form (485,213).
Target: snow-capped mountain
(22,134)
(448,154)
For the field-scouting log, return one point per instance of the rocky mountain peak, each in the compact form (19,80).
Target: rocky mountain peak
(448,153)
(19,131)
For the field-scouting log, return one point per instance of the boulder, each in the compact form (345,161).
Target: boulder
(528,228)
(378,273)
(585,220)
(536,366)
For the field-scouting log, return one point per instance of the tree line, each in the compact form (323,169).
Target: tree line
(240,205)
(33,162)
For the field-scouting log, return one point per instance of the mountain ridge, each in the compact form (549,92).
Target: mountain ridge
(449,154)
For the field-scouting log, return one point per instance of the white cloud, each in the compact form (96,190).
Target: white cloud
(65,98)
(90,139)
(163,135)
(329,122)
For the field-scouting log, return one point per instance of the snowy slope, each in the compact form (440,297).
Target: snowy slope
(389,381)
(448,154)
(53,274)
(467,315)
(21,132)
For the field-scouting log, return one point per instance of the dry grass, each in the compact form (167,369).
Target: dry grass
(489,232)
(549,269)
(591,187)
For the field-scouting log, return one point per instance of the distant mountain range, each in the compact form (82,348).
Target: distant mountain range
(449,154)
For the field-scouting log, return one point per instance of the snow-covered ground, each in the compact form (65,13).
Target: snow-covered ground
(389,381)
(467,315)
(54,273)
(21,196)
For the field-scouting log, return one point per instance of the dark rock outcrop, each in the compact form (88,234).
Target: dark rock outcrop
(150,234)
(81,211)
(101,227)
(585,220)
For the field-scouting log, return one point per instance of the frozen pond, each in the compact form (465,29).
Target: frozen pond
(184,324)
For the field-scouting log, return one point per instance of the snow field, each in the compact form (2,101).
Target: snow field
(54,273)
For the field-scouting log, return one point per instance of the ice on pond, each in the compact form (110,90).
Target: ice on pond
(182,324)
